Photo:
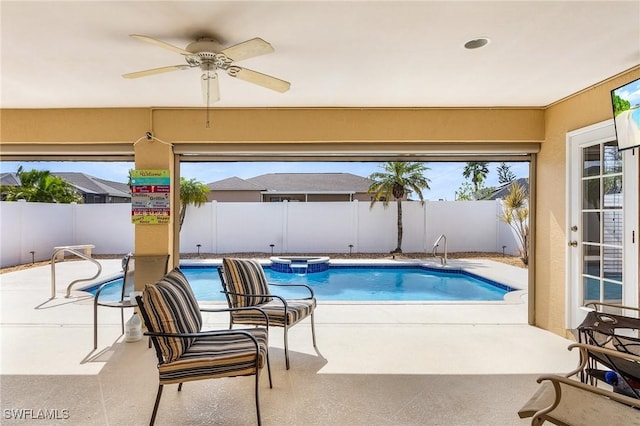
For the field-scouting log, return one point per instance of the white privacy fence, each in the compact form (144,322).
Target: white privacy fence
(31,230)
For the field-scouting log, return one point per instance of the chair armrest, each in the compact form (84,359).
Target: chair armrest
(311,294)
(282,299)
(245,308)
(585,349)
(596,305)
(207,334)
(556,380)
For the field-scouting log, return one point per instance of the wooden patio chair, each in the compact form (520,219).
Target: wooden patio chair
(245,284)
(185,352)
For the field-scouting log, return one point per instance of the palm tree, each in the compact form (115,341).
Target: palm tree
(40,186)
(477,171)
(398,179)
(191,192)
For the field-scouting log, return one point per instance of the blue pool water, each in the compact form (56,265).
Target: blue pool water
(354,284)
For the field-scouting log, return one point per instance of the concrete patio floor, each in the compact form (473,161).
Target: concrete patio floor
(376,364)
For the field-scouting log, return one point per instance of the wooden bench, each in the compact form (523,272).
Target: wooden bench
(564,400)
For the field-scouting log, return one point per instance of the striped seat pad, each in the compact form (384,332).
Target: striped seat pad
(297,309)
(212,357)
(171,307)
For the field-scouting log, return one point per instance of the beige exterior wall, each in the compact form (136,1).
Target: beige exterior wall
(589,107)
(331,131)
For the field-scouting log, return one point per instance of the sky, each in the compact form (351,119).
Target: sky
(446,177)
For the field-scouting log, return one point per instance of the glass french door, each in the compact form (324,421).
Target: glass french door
(602,221)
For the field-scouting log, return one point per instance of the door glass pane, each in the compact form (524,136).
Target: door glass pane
(612,263)
(591,161)
(591,194)
(612,192)
(612,293)
(591,227)
(591,260)
(612,158)
(612,227)
(591,288)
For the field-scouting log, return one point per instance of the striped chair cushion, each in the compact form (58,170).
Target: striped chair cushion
(297,309)
(172,308)
(217,356)
(245,276)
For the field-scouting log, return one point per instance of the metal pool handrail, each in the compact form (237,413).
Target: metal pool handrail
(443,260)
(72,250)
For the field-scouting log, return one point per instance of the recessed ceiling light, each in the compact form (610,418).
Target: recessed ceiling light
(476,43)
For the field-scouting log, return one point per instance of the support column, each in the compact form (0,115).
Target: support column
(151,154)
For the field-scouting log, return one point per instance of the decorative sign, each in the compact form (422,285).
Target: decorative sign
(150,197)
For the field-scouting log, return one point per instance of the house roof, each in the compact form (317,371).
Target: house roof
(81,181)
(91,185)
(9,179)
(312,182)
(233,184)
(502,191)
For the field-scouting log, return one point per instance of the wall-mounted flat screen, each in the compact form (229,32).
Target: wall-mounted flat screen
(626,113)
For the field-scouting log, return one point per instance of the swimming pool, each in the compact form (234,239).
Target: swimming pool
(355,283)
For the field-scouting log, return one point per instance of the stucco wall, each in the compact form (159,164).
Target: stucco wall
(589,107)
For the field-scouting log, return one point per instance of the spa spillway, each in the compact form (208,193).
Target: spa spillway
(299,264)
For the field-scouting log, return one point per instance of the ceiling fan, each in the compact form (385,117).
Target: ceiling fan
(208,55)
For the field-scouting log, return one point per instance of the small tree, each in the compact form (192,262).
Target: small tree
(464,192)
(516,215)
(505,175)
(40,186)
(191,192)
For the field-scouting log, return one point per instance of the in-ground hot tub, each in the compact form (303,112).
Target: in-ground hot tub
(299,264)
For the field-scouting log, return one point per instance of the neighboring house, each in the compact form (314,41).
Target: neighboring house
(8,179)
(92,189)
(234,189)
(502,191)
(304,187)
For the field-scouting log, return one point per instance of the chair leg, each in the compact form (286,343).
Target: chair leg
(258,393)
(95,326)
(286,345)
(179,386)
(122,321)
(155,407)
(313,331)
(269,369)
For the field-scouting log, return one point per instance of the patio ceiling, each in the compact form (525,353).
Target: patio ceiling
(68,54)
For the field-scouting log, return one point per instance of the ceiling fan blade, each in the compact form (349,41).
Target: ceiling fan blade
(247,49)
(210,88)
(153,71)
(161,44)
(260,79)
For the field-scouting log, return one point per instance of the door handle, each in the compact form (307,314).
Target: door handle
(573,243)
